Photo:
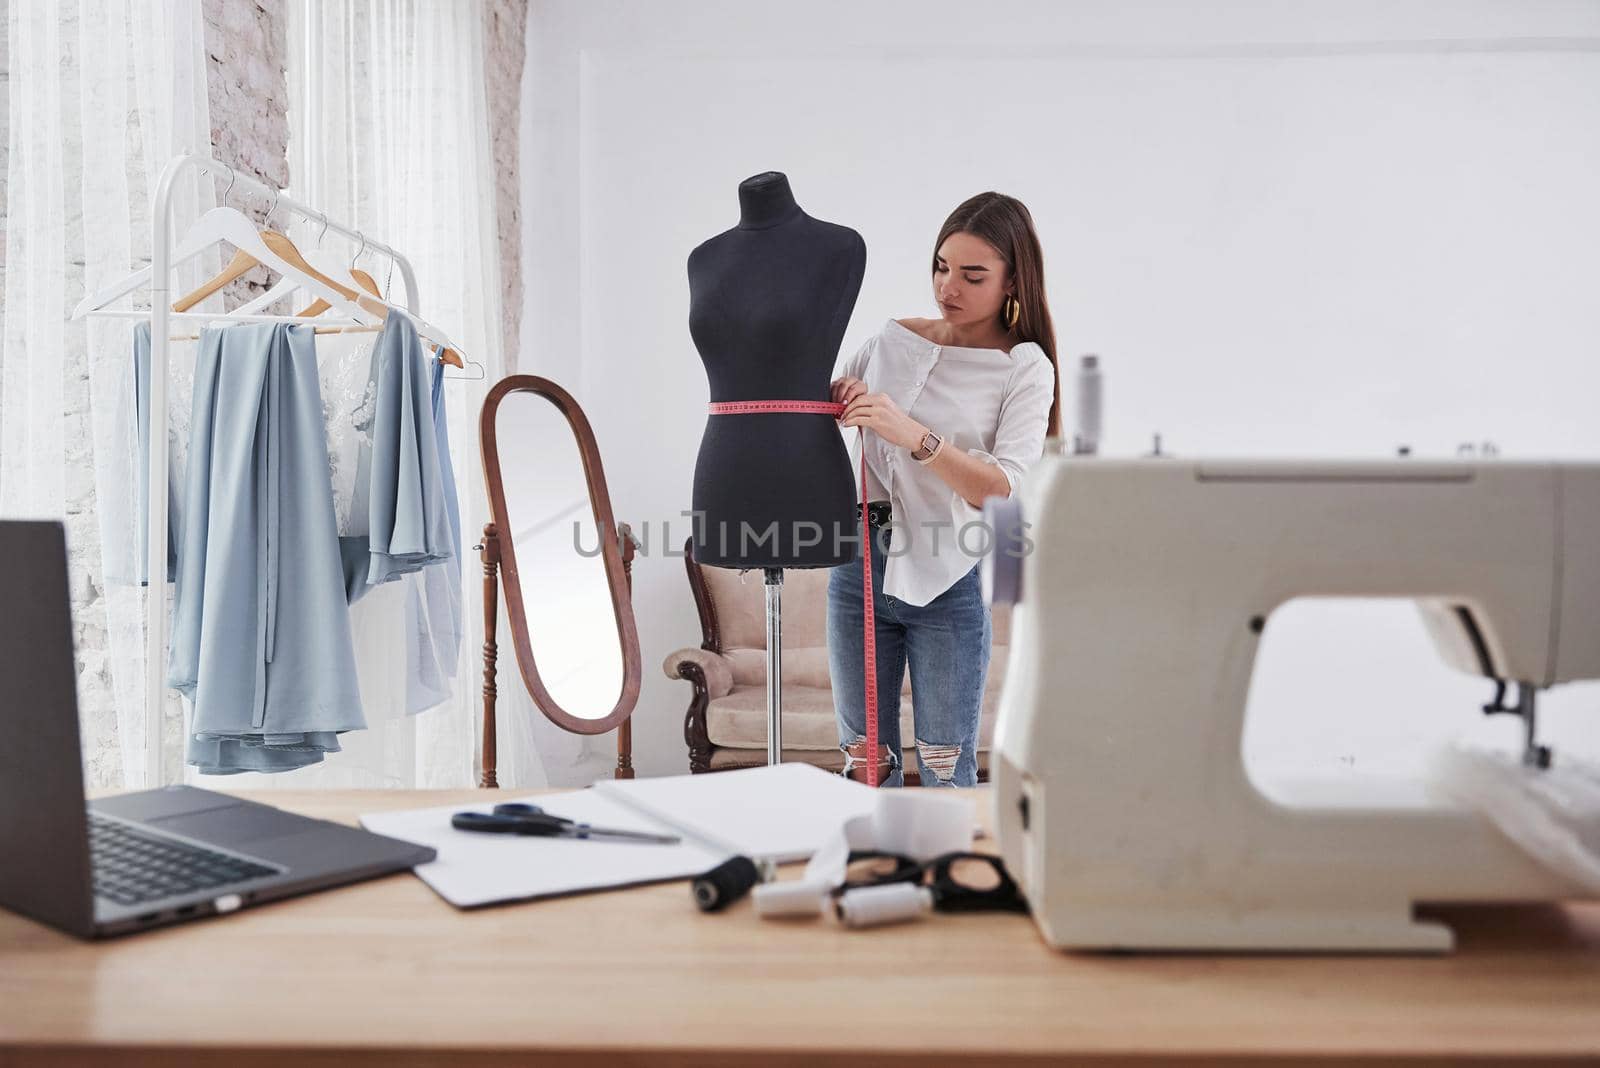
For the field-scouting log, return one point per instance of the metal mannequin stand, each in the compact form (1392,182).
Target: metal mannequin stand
(774,581)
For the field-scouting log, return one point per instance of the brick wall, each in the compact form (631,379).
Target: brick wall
(504,39)
(248,91)
(246,51)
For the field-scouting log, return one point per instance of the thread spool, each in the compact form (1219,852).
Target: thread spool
(1086,441)
(725,884)
(793,898)
(875,906)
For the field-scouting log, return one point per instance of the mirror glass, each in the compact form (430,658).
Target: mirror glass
(572,629)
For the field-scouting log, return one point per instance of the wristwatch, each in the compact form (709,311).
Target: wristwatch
(929,448)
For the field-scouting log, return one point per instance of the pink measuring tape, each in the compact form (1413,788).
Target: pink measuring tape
(869,638)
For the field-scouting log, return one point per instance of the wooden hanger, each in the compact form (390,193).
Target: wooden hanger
(318,306)
(370,284)
(277,252)
(287,251)
(252,247)
(237,267)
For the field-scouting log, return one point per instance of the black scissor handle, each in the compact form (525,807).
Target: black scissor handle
(483,821)
(536,823)
(517,808)
(542,824)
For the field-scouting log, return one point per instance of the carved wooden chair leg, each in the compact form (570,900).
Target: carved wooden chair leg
(694,721)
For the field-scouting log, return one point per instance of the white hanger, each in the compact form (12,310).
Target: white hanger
(328,264)
(234,227)
(363,303)
(288,284)
(230,225)
(335,267)
(425,329)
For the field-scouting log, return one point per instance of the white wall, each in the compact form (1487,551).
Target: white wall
(1288,229)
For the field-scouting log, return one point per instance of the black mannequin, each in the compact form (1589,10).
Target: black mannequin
(768,304)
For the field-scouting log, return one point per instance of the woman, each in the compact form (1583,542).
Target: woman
(958,408)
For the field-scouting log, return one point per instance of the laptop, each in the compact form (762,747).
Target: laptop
(138,860)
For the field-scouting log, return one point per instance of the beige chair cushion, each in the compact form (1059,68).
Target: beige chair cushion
(801,667)
(741,600)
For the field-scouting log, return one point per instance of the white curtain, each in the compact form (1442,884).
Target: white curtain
(102,94)
(389,133)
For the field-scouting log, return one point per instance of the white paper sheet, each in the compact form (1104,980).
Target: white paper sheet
(780,813)
(475,869)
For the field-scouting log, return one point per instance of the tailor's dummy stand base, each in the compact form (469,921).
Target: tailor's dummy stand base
(774,582)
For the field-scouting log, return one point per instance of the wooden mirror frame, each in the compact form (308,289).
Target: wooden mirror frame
(616,547)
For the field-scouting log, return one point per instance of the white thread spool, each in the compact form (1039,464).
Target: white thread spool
(874,906)
(1086,440)
(796,897)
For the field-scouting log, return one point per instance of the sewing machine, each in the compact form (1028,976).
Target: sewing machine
(1123,805)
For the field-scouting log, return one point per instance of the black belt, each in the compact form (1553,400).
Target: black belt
(878,513)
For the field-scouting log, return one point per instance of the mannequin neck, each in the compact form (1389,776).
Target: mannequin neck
(765,200)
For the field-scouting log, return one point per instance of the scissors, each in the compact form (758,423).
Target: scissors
(516,817)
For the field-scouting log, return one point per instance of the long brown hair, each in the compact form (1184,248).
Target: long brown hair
(1005,223)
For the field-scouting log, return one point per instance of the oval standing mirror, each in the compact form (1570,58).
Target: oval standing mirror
(563,565)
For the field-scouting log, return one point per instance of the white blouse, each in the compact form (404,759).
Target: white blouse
(993,404)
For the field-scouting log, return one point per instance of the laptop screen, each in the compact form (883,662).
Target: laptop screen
(44,837)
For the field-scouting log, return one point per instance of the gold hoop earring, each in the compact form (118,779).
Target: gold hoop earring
(1010,311)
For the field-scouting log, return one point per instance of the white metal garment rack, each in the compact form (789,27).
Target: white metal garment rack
(160,330)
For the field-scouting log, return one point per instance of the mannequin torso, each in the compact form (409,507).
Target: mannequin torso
(769,301)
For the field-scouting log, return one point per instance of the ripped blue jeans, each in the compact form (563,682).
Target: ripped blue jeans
(946,644)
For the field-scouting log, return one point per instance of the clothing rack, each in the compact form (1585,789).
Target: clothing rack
(161,314)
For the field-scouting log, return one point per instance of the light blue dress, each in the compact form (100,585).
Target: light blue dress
(433,607)
(261,640)
(141,385)
(400,483)
(261,637)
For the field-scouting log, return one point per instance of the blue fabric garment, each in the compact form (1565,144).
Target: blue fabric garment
(441,435)
(261,641)
(141,386)
(433,604)
(399,481)
(947,643)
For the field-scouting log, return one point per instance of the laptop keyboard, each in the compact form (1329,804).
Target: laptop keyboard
(131,868)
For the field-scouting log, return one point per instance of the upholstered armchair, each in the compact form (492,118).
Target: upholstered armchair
(726,723)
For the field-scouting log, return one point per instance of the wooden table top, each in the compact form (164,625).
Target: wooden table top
(386,972)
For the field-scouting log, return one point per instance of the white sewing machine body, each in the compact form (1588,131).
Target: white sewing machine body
(1123,806)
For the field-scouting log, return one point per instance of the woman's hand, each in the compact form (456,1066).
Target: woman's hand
(847,389)
(881,415)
